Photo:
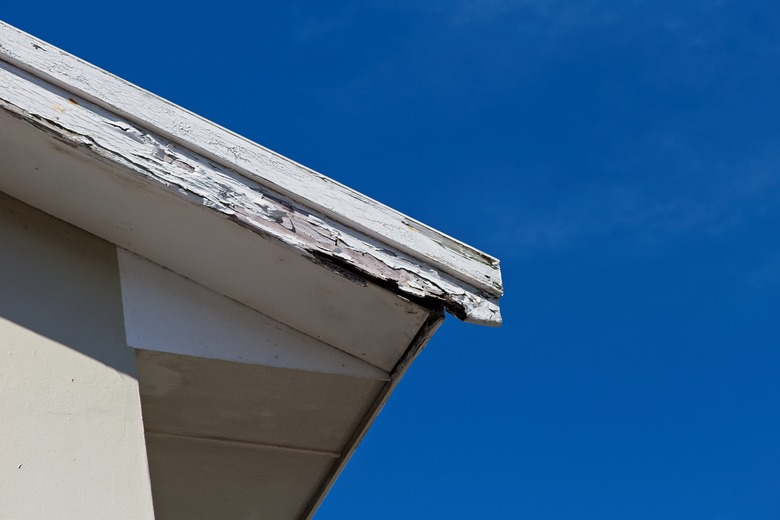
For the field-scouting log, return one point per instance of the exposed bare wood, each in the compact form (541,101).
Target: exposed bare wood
(141,115)
(164,165)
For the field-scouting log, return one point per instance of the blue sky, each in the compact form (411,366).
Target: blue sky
(620,157)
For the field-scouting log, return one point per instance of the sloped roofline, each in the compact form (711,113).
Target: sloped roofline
(467,281)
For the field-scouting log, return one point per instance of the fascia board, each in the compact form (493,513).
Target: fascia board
(270,194)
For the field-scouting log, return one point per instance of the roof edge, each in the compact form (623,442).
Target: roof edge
(164,166)
(343,205)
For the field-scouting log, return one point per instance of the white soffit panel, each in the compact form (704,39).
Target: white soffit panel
(173,150)
(198,479)
(197,397)
(186,238)
(166,312)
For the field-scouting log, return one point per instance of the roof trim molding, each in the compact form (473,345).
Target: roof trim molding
(205,164)
(302,184)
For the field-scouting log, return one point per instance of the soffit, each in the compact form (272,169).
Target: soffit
(202,479)
(175,151)
(348,313)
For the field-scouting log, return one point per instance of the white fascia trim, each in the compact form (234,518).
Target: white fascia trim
(199,161)
(250,159)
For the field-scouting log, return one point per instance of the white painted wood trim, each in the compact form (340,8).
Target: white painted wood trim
(167,312)
(162,165)
(180,127)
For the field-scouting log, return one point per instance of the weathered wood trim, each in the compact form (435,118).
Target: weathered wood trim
(424,335)
(343,206)
(163,165)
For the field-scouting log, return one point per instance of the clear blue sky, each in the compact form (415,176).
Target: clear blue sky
(622,158)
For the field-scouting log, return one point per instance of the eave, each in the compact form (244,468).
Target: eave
(171,150)
(213,229)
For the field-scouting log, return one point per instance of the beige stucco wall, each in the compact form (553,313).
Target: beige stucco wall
(71,435)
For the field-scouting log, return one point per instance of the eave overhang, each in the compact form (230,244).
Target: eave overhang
(210,224)
(170,150)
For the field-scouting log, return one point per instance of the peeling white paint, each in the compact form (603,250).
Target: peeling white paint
(184,173)
(311,189)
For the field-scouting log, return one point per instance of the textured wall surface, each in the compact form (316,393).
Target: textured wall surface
(71,435)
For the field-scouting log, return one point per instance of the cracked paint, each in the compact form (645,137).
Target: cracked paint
(168,166)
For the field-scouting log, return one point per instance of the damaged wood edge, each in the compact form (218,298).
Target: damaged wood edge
(328,197)
(418,343)
(455,306)
(186,175)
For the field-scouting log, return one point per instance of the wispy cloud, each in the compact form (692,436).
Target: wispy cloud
(504,41)
(710,201)
(308,28)
(672,182)
(558,12)
(766,275)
